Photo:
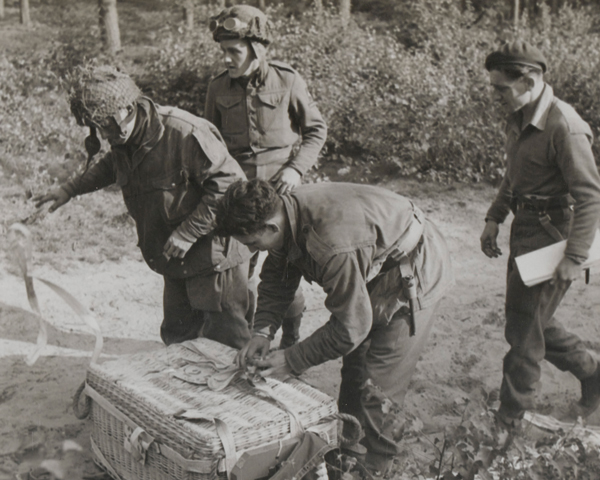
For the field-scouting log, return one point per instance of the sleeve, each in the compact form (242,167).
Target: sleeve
(576,161)
(212,169)
(99,175)
(312,126)
(500,207)
(279,281)
(211,113)
(351,313)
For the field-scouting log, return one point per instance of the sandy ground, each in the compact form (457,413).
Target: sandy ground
(464,351)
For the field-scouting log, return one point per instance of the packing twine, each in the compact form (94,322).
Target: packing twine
(20,248)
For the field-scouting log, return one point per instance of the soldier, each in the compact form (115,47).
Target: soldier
(172,168)
(553,188)
(266,115)
(384,267)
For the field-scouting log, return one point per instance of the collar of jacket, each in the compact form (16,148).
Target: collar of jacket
(153,132)
(291,209)
(540,114)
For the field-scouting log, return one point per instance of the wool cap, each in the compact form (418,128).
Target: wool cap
(518,52)
(241,21)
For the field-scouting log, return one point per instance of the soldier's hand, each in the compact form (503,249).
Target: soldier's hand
(58,197)
(566,271)
(256,348)
(286,180)
(276,365)
(176,246)
(489,238)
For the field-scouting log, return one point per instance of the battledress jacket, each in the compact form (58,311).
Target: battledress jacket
(340,234)
(172,182)
(269,119)
(552,156)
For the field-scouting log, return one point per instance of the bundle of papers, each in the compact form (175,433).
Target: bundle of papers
(538,266)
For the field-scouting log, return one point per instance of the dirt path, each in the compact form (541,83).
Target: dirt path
(464,351)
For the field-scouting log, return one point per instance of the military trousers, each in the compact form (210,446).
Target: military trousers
(532,331)
(376,376)
(212,306)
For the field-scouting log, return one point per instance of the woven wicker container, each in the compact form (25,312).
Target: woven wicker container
(154,420)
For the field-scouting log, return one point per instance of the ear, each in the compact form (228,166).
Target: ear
(529,82)
(272,226)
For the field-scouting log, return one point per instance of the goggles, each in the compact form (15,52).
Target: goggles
(231,24)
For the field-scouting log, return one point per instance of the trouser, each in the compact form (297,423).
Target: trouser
(212,306)
(290,326)
(376,376)
(531,329)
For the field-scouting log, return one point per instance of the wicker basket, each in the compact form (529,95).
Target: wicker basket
(138,402)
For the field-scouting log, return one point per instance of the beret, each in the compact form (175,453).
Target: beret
(516,53)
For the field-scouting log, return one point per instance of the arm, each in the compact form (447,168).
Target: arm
(313,128)
(576,161)
(101,174)
(351,313)
(213,170)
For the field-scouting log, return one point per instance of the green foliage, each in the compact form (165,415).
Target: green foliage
(408,95)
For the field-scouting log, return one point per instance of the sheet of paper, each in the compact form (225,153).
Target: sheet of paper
(538,266)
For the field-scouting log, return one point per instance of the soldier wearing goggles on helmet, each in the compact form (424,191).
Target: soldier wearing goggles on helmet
(172,168)
(264,111)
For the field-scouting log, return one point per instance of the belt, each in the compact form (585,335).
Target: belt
(541,204)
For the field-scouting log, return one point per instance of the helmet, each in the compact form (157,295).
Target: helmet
(96,93)
(241,21)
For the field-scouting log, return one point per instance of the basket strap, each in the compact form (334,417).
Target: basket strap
(296,427)
(223,431)
(195,466)
(104,462)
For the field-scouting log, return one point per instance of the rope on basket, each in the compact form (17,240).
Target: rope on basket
(356,431)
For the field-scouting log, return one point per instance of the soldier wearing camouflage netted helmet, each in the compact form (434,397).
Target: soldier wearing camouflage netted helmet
(264,111)
(172,168)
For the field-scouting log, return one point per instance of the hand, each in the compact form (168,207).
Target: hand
(488,239)
(276,365)
(286,180)
(257,347)
(176,246)
(566,271)
(58,196)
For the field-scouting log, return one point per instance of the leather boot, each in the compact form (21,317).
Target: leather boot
(290,331)
(590,394)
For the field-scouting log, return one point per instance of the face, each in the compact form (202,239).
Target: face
(118,128)
(238,57)
(509,94)
(270,238)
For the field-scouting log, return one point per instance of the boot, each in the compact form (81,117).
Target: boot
(290,331)
(590,394)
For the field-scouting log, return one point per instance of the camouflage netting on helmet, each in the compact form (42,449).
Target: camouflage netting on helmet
(254,25)
(96,93)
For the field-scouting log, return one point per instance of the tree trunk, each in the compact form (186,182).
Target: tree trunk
(345,6)
(319,6)
(109,26)
(188,14)
(25,17)
(1,9)
(554,6)
(262,5)
(516,13)
(221,3)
